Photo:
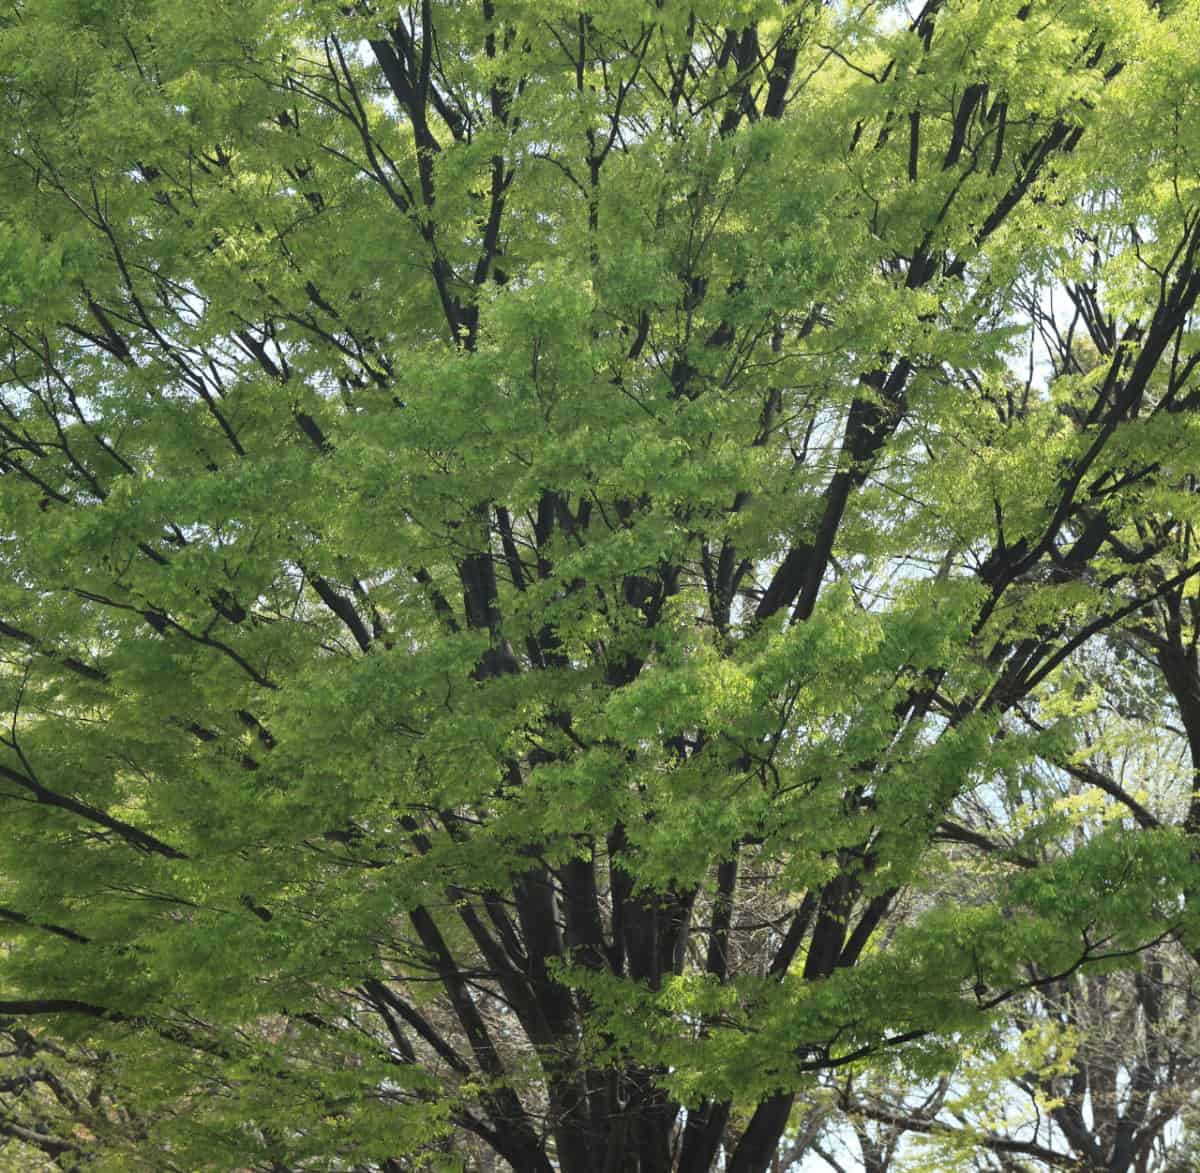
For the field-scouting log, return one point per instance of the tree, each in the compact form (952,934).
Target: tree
(1096,1072)
(1117,1080)
(56,1103)
(523,544)
(1100,1074)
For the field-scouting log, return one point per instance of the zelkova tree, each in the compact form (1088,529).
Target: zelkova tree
(527,543)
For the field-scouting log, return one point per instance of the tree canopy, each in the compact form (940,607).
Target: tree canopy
(571,569)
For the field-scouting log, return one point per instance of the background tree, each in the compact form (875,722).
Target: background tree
(1095,1072)
(1102,1076)
(523,544)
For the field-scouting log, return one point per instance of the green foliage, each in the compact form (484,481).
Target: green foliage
(527,561)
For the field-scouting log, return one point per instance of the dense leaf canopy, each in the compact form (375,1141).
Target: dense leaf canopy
(559,559)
